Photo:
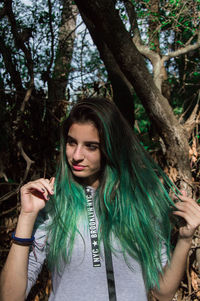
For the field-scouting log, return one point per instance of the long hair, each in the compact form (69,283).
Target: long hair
(133,203)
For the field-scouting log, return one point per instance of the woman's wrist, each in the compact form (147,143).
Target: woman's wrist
(28,216)
(23,241)
(25,225)
(187,241)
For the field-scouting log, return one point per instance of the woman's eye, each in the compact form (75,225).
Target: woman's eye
(92,147)
(71,142)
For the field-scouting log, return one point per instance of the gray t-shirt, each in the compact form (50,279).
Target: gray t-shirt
(80,280)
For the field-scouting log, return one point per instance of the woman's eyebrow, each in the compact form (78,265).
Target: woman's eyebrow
(70,137)
(87,141)
(92,142)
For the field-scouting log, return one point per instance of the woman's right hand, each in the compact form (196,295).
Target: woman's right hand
(13,280)
(35,194)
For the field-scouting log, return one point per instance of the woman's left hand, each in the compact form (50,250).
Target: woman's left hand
(189,210)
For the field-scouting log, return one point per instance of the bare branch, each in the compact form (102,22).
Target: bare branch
(151,55)
(3,175)
(10,65)
(19,42)
(26,158)
(9,194)
(191,121)
(81,58)
(27,96)
(52,37)
(9,210)
(73,31)
(183,50)
(144,50)
(154,57)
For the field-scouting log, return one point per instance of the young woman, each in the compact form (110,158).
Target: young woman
(103,222)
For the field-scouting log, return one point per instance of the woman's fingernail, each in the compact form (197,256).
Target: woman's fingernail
(51,179)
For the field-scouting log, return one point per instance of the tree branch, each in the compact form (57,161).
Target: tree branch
(130,8)
(183,50)
(122,89)
(191,121)
(26,158)
(152,56)
(19,42)
(9,210)
(27,95)
(52,37)
(10,65)
(9,194)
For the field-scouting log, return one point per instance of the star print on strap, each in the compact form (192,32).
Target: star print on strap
(93,228)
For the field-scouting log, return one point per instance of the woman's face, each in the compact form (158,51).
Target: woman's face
(83,153)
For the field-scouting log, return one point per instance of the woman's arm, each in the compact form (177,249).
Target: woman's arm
(173,273)
(14,274)
(13,280)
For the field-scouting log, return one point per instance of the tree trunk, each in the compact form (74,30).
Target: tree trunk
(109,27)
(57,84)
(122,89)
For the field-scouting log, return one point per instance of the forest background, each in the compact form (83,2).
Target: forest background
(143,55)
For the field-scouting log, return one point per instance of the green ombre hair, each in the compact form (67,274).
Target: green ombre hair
(132,200)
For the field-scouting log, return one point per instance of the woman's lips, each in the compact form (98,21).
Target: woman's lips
(78,167)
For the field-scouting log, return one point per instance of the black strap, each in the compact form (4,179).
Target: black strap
(93,229)
(110,276)
(95,247)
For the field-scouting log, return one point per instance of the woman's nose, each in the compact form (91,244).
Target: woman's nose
(78,154)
